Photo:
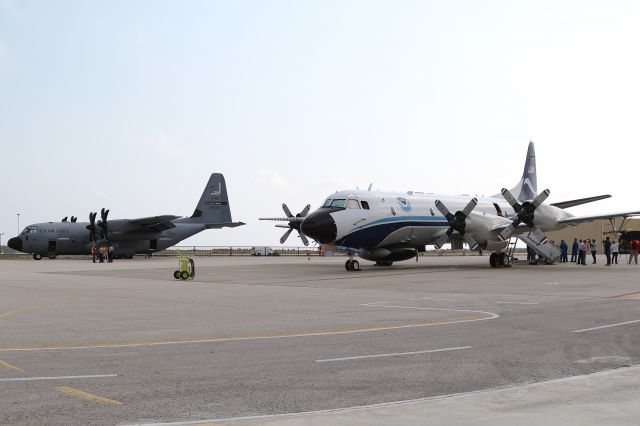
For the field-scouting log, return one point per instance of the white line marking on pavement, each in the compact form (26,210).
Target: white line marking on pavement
(492,315)
(349,358)
(433,298)
(489,391)
(516,303)
(32,379)
(605,326)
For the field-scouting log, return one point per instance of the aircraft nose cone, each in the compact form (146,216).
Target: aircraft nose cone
(15,243)
(320,226)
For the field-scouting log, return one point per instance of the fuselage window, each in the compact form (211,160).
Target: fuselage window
(338,203)
(327,203)
(353,204)
(365,205)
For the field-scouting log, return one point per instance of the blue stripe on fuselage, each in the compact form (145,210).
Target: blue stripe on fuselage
(372,234)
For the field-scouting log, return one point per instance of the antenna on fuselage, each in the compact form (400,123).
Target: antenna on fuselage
(370,185)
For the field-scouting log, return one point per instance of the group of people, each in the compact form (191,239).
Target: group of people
(105,251)
(581,248)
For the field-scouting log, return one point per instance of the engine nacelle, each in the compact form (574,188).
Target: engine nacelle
(388,254)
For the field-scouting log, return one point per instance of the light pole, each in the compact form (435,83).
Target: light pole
(1,234)
(18,223)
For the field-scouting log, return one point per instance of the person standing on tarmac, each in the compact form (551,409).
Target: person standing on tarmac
(615,249)
(607,250)
(633,250)
(94,251)
(110,253)
(574,250)
(564,249)
(594,249)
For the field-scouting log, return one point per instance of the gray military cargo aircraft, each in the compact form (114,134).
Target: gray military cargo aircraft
(127,236)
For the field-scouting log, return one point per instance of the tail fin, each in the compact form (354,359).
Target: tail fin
(527,188)
(213,207)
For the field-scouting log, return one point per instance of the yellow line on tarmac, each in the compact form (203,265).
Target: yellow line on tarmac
(242,337)
(10,367)
(87,396)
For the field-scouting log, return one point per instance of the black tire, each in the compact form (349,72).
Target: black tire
(355,265)
(184,275)
(493,260)
(347,265)
(501,259)
(37,256)
(176,275)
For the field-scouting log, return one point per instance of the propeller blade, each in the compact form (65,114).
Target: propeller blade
(285,236)
(303,238)
(473,245)
(470,206)
(540,198)
(304,211)
(510,198)
(443,209)
(286,210)
(442,240)
(507,232)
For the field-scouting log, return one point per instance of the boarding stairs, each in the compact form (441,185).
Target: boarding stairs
(546,250)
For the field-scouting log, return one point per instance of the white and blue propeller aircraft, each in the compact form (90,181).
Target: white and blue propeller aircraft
(386,227)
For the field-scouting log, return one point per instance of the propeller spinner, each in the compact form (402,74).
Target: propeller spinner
(457,223)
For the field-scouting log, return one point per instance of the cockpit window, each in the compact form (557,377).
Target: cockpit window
(32,230)
(338,203)
(365,205)
(327,203)
(353,204)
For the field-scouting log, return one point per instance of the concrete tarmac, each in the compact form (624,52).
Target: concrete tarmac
(447,340)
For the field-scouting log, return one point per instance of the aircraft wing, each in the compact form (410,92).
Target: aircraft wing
(580,201)
(154,223)
(591,218)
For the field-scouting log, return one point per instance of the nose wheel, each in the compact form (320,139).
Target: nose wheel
(352,265)
(498,260)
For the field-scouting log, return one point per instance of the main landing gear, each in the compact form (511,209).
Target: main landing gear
(37,256)
(352,264)
(498,260)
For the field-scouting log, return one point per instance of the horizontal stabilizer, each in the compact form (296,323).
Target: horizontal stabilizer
(579,201)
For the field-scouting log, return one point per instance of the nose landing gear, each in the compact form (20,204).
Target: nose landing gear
(498,260)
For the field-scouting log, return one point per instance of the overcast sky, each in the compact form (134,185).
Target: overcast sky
(131,105)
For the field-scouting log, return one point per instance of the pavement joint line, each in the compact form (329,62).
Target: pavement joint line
(326,332)
(35,379)
(30,307)
(10,367)
(516,303)
(605,326)
(349,358)
(87,396)
(395,403)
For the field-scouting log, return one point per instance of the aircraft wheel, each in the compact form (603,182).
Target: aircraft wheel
(37,256)
(501,259)
(493,260)
(355,265)
(184,275)
(347,265)
(176,275)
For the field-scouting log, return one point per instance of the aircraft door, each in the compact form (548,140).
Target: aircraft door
(51,249)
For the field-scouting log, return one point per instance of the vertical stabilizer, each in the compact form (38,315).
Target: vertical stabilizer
(527,188)
(213,207)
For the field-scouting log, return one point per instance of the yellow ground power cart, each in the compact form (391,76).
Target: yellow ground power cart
(186,268)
